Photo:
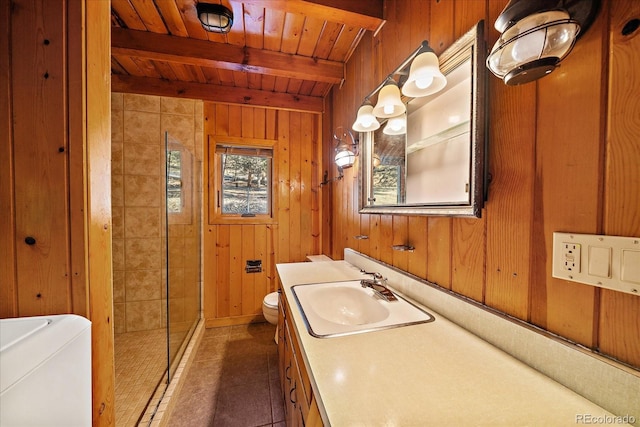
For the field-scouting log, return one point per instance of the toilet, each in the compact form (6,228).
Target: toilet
(270,310)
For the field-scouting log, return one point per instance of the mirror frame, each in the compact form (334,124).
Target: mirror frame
(470,45)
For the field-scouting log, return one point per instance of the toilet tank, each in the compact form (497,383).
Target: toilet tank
(45,371)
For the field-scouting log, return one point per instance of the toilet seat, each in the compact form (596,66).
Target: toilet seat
(271,300)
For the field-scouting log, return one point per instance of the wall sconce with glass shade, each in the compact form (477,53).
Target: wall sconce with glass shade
(389,102)
(396,125)
(536,36)
(425,77)
(214,18)
(346,148)
(365,121)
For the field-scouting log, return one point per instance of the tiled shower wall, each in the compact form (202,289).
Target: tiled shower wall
(138,202)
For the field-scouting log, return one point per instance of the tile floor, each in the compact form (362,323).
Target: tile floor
(140,363)
(233,380)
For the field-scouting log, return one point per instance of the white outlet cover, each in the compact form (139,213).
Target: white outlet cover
(617,249)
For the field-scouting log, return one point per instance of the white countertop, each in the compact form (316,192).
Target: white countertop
(432,374)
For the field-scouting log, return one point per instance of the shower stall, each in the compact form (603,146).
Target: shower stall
(157,223)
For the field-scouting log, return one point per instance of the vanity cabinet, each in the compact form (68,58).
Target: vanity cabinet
(300,406)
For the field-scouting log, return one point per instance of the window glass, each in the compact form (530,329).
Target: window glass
(175,201)
(246,181)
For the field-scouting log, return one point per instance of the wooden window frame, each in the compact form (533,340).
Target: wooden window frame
(215,180)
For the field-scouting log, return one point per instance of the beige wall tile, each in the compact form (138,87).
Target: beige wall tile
(143,285)
(117,101)
(176,283)
(176,230)
(143,315)
(199,143)
(176,310)
(119,318)
(176,252)
(177,106)
(199,115)
(143,159)
(141,190)
(134,102)
(141,127)
(117,125)
(180,128)
(117,249)
(117,190)
(118,286)
(141,222)
(117,158)
(142,254)
(117,213)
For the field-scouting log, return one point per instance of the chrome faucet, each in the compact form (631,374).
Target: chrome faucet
(378,285)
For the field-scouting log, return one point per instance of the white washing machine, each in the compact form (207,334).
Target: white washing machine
(45,371)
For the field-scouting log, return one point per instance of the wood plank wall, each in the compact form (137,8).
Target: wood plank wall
(55,165)
(563,155)
(232,296)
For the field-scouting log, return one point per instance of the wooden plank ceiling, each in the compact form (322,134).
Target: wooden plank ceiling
(279,53)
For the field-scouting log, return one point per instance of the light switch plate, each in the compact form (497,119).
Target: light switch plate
(607,261)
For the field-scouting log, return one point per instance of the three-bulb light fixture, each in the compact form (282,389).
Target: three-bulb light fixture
(536,36)
(423,78)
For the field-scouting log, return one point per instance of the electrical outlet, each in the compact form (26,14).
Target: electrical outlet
(571,256)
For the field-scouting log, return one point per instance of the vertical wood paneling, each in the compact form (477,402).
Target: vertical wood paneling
(235,270)
(386,238)
(306,178)
(221,286)
(8,288)
(417,237)
(248,233)
(569,151)
(97,256)
(41,192)
(469,235)
(619,320)
(400,237)
(295,210)
(439,251)
(283,187)
(231,294)
(509,210)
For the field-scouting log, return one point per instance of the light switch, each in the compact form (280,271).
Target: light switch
(599,261)
(631,266)
(611,262)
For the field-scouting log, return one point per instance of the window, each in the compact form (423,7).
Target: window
(243,182)
(175,201)
(179,179)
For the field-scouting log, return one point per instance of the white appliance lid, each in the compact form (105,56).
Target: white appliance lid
(33,340)
(13,331)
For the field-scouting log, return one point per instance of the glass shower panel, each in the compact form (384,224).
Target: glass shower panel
(183,246)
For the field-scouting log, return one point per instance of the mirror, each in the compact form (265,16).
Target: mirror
(437,166)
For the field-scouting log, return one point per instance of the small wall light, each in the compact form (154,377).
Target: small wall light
(346,148)
(536,36)
(396,125)
(425,77)
(215,18)
(365,121)
(389,102)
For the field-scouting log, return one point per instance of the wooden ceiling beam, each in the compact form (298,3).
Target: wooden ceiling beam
(216,93)
(160,47)
(357,13)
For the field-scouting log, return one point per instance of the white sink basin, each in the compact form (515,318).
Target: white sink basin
(344,308)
